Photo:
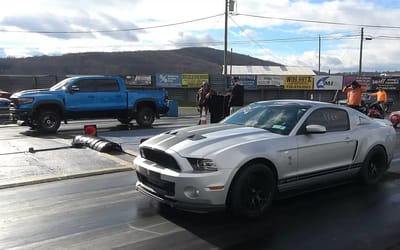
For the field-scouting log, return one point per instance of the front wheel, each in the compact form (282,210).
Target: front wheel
(374,166)
(48,121)
(145,117)
(252,191)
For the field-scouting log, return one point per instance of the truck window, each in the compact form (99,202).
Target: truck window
(107,85)
(97,85)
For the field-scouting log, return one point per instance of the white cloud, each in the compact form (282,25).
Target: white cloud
(258,28)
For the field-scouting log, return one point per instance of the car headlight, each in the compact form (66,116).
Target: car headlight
(202,165)
(25,100)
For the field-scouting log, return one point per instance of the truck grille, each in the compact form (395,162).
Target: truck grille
(160,157)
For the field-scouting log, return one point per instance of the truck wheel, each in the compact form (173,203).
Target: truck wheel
(48,121)
(124,120)
(145,117)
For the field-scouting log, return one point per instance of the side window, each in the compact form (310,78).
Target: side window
(107,85)
(85,85)
(333,119)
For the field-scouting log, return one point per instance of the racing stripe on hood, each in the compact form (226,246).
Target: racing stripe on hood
(194,133)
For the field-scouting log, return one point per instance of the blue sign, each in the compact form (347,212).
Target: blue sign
(169,80)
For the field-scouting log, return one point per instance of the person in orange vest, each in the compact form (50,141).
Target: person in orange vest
(354,92)
(381,99)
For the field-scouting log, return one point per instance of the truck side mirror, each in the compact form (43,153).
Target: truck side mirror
(74,88)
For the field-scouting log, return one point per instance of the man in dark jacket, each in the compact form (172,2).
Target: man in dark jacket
(237,95)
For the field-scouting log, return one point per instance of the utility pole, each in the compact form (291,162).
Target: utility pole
(319,54)
(361,51)
(226,44)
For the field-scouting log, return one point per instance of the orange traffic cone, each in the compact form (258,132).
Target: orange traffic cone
(203,118)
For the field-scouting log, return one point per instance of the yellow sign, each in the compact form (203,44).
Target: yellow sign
(193,80)
(298,82)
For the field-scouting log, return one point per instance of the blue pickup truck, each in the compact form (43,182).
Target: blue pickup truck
(86,97)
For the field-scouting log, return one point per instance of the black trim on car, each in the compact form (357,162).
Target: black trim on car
(319,173)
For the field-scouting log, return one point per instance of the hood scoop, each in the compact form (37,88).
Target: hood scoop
(193,137)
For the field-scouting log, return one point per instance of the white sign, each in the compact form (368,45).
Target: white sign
(266,80)
(328,82)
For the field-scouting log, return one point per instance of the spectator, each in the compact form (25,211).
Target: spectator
(201,98)
(236,96)
(381,100)
(215,106)
(354,92)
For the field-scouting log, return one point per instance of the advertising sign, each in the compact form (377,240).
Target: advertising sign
(248,81)
(193,80)
(363,80)
(169,80)
(298,82)
(328,82)
(138,80)
(270,81)
(385,83)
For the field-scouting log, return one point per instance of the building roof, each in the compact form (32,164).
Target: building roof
(269,70)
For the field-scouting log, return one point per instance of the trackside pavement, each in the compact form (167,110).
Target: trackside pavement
(28,160)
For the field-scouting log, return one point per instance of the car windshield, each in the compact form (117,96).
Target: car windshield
(276,117)
(61,84)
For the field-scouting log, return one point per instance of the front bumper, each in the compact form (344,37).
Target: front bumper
(186,191)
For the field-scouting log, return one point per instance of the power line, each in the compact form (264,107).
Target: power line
(321,22)
(110,31)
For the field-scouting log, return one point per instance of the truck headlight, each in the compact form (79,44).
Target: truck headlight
(25,100)
(202,165)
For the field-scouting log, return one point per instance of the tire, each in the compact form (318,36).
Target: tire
(145,117)
(252,191)
(48,121)
(124,120)
(374,166)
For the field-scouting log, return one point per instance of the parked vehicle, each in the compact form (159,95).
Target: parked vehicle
(87,97)
(260,151)
(394,118)
(5,94)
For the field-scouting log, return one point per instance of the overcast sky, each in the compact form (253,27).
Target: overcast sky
(283,31)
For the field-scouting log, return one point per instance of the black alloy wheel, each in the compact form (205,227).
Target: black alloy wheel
(374,166)
(253,191)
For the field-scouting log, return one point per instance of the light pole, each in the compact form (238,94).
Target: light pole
(361,50)
(226,43)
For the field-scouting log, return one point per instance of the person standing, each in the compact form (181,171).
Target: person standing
(236,98)
(354,92)
(381,99)
(201,99)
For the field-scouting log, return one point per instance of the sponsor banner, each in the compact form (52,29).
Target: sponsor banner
(328,82)
(363,80)
(134,80)
(248,81)
(273,81)
(193,80)
(298,82)
(169,80)
(385,83)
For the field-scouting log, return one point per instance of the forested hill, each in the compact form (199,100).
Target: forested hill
(187,60)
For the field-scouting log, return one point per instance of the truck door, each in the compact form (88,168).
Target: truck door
(81,96)
(109,95)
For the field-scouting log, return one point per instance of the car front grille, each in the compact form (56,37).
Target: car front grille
(160,157)
(153,180)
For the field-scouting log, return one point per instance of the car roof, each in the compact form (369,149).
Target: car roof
(298,102)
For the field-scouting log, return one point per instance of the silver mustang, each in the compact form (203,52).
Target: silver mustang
(263,149)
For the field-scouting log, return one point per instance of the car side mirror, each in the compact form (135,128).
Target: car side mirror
(315,129)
